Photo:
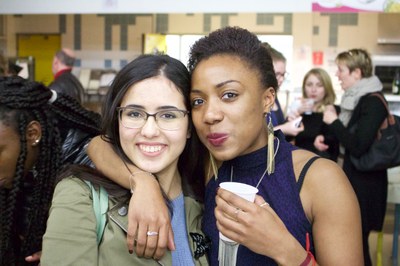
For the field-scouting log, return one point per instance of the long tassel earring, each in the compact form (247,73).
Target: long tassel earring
(213,166)
(271,149)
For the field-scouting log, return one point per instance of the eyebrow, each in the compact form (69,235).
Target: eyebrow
(219,85)
(164,107)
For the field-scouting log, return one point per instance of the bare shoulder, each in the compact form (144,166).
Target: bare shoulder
(331,206)
(325,184)
(321,170)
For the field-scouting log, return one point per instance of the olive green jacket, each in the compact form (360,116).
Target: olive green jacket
(70,238)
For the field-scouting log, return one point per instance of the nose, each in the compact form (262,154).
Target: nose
(213,113)
(314,88)
(150,128)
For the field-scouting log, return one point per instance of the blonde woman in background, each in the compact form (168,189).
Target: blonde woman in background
(317,87)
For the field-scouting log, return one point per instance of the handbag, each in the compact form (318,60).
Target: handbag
(384,152)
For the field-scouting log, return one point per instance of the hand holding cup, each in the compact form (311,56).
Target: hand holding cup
(308,105)
(244,191)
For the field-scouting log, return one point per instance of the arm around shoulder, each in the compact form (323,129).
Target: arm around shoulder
(147,192)
(107,161)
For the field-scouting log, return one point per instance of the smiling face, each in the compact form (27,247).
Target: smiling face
(229,103)
(150,148)
(314,88)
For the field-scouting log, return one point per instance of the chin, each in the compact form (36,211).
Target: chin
(222,155)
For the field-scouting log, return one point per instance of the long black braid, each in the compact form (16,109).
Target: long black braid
(21,102)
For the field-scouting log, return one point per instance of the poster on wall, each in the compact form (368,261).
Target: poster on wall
(354,6)
(154,43)
(151,6)
(318,58)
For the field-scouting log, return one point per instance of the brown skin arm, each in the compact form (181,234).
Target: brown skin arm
(153,217)
(329,203)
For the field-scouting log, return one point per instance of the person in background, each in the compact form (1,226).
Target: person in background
(8,68)
(14,69)
(64,81)
(317,86)
(40,131)
(146,119)
(356,127)
(300,210)
(278,119)
(3,65)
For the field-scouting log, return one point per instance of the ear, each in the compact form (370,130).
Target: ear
(268,98)
(357,73)
(33,133)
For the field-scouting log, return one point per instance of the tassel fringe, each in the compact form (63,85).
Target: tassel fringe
(271,149)
(213,166)
(227,253)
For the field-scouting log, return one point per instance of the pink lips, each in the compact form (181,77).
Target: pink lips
(217,139)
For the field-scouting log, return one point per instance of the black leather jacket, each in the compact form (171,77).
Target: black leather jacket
(74,147)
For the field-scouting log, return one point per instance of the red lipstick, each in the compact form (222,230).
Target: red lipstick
(217,139)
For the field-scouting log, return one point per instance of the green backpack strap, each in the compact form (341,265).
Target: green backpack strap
(100,207)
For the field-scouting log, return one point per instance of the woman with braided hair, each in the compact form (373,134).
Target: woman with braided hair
(39,133)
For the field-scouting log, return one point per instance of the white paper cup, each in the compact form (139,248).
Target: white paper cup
(244,191)
(310,104)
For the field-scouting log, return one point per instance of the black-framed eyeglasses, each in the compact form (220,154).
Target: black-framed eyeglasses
(283,75)
(170,119)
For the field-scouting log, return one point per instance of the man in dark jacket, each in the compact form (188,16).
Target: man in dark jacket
(64,81)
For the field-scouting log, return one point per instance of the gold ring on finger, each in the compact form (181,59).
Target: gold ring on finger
(237,213)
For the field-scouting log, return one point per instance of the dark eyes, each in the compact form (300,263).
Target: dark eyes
(228,96)
(135,114)
(168,115)
(196,102)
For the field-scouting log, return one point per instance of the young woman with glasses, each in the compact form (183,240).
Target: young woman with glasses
(278,120)
(147,122)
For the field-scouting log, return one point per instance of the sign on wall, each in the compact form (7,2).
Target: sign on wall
(355,6)
(151,6)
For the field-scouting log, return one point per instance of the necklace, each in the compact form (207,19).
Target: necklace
(263,175)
